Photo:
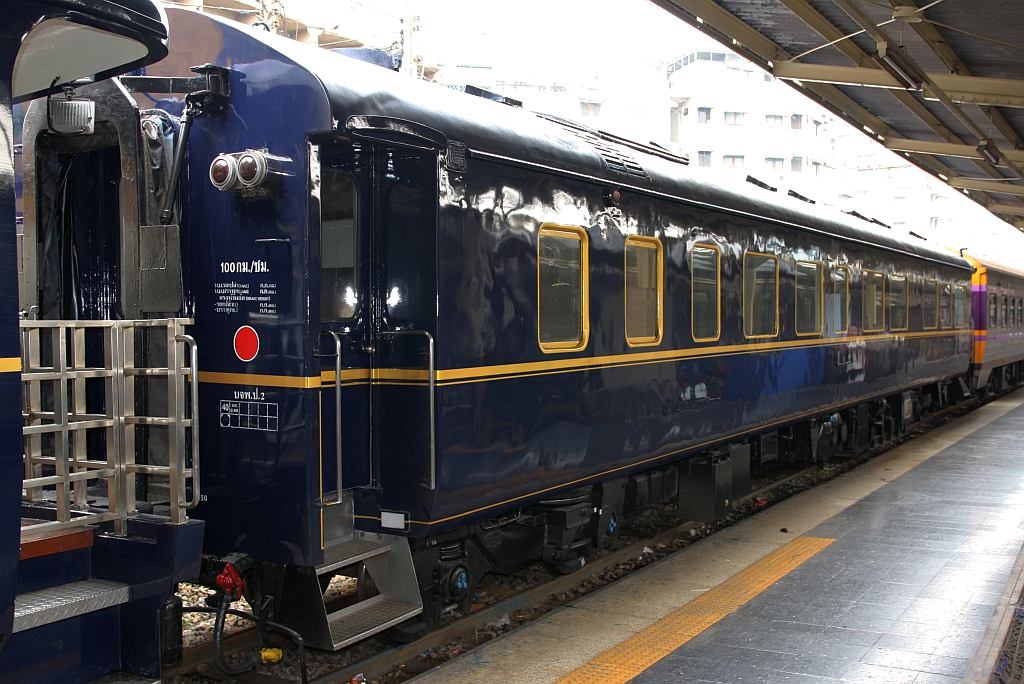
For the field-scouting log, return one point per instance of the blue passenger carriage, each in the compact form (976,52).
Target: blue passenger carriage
(441,336)
(998,325)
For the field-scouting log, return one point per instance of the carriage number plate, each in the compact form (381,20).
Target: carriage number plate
(249,415)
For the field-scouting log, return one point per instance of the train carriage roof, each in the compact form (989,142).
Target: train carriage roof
(355,88)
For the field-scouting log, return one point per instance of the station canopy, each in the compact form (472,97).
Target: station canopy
(940,82)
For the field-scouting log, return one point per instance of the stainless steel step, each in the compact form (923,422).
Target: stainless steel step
(39,608)
(366,618)
(351,552)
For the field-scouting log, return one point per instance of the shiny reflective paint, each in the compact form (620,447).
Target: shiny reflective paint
(513,424)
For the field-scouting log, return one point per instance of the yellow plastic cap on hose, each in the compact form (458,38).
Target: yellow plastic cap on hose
(272,655)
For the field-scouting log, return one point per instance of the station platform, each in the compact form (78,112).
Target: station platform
(890,573)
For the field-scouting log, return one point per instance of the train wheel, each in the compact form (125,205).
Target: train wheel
(405,632)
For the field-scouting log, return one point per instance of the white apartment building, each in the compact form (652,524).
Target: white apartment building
(730,117)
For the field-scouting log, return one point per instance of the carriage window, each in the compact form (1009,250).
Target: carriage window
(841,299)
(760,295)
(873,304)
(1020,312)
(707,313)
(993,319)
(959,308)
(898,301)
(930,305)
(808,298)
(562,315)
(339,234)
(1003,318)
(945,302)
(643,291)
(409,248)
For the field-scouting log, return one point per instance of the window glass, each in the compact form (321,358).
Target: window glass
(808,298)
(930,305)
(704,158)
(841,299)
(1003,317)
(774,163)
(773,120)
(643,290)
(796,164)
(339,235)
(873,305)
(760,295)
(734,118)
(959,308)
(703,115)
(733,161)
(706,310)
(945,302)
(897,303)
(562,288)
(409,250)
(797,121)
(1020,312)
(993,319)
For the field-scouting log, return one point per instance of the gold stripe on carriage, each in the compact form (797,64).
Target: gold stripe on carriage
(11,364)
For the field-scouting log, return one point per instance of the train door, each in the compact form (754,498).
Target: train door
(377,209)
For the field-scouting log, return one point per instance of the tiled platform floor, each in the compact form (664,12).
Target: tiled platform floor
(926,536)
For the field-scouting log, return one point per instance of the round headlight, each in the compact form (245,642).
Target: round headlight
(223,172)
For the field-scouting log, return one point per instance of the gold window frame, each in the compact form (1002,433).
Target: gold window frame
(575,233)
(821,299)
(774,258)
(645,243)
(718,285)
(960,295)
(906,302)
(835,324)
(934,286)
(863,302)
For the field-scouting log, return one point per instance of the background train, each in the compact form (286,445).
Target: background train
(380,328)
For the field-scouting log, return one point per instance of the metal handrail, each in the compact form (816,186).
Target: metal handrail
(431,384)
(326,501)
(193,364)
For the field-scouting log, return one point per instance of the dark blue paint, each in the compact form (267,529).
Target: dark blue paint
(53,570)
(66,652)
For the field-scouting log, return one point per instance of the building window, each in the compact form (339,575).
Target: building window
(898,302)
(733,161)
(707,314)
(933,222)
(773,120)
(760,295)
(775,163)
(796,122)
(704,56)
(704,115)
(841,299)
(562,316)
(873,304)
(768,78)
(339,246)
(590,108)
(808,298)
(733,118)
(704,158)
(959,306)
(930,305)
(796,164)
(643,291)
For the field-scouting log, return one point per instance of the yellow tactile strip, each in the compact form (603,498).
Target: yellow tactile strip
(622,663)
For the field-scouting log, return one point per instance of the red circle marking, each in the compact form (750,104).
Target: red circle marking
(247,343)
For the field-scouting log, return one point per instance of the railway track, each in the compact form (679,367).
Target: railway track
(455,636)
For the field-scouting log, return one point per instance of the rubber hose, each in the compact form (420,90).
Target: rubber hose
(218,646)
